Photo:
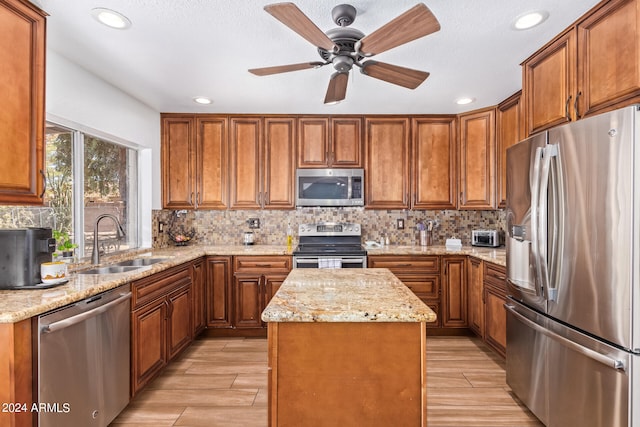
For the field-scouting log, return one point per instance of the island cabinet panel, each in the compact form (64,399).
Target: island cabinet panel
(475,304)
(495,296)
(16,372)
(419,273)
(477,160)
(256,279)
(198,310)
(161,322)
(218,291)
(434,181)
(22,84)
(347,374)
(387,162)
(454,292)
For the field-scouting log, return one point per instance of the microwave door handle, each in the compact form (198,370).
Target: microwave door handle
(349,186)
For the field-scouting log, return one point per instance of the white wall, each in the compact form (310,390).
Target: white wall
(77,97)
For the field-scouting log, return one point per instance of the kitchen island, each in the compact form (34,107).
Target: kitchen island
(346,348)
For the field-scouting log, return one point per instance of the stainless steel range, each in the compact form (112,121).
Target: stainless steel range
(330,245)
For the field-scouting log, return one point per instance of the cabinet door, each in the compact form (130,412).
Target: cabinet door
(248,296)
(218,292)
(245,148)
(509,131)
(178,167)
(475,297)
(197,280)
(495,318)
(434,163)
(346,142)
(179,320)
(608,57)
(148,343)
(549,82)
(313,142)
(212,163)
(477,160)
(387,163)
(272,283)
(22,83)
(454,292)
(279,163)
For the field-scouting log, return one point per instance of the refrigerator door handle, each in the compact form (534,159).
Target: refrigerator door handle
(548,153)
(601,358)
(535,220)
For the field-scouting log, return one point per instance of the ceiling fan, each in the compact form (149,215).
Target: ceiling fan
(345,47)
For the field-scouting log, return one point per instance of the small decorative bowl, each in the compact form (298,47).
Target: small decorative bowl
(181,237)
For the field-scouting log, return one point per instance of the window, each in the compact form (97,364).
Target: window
(88,176)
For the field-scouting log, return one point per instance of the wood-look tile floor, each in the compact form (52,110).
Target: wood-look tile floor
(223,382)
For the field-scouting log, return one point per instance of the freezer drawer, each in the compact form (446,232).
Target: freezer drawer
(565,377)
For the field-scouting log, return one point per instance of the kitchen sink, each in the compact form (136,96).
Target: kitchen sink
(111,269)
(140,262)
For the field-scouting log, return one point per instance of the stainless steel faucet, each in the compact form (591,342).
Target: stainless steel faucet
(95,254)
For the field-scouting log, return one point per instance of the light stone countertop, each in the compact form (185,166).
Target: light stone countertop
(494,255)
(345,295)
(17,305)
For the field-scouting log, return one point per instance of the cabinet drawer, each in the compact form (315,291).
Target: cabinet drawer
(399,264)
(259,263)
(159,285)
(422,286)
(495,275)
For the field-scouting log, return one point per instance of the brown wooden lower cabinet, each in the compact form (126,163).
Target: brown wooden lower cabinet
(475,304)
(16,372)
(161,322)
(218,292)
(198,280)
(454,292)
(495,296)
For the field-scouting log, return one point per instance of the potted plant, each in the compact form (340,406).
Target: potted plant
(64,244)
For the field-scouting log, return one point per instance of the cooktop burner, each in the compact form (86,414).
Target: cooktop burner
(329,238)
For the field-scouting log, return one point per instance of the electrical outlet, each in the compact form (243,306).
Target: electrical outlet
(161,227)
(254,222)
(400,223)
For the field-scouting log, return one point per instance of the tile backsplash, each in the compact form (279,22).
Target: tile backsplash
(227,227)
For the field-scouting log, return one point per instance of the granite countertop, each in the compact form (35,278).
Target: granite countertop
(17,305)
(494,255)
(345,295)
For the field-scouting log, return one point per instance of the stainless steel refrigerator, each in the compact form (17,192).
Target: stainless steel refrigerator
(573,255)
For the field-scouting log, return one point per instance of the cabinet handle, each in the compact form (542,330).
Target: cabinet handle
(197,199)
(566,108)
(263,265)
(576,106)
(265,199)
(404,265)
(166,304)
(44,186)
(191,198)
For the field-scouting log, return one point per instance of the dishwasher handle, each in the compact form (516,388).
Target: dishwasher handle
(601,358)
(65,323)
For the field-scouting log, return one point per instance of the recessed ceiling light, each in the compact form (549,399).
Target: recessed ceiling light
(530,19)
(465,101)
(111,18)
(202,100)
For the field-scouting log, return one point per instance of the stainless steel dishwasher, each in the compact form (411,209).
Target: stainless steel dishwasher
(83,361)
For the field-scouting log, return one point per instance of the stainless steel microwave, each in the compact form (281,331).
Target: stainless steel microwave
(330,187)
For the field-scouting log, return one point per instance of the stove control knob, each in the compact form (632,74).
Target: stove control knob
(356,228)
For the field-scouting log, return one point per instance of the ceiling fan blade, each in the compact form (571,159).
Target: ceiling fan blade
(294,18)
(415,23)
(285,68)
(337,89)
(395,74)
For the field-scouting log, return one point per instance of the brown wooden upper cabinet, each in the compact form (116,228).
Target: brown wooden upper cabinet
(590,68)
(22,82)
(433,180)
(262,164)
(509,131)
(477,160)
(387,162)
(330,142)
(194,162)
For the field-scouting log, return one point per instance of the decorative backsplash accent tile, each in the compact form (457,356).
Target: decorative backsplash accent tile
(227,227)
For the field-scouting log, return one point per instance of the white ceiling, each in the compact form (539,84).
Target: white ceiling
(176,50)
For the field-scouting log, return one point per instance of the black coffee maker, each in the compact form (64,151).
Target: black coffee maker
(22,250)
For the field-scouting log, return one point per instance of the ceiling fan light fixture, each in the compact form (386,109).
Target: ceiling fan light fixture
(465,100)
(530,19)
(111,18)
(202,100)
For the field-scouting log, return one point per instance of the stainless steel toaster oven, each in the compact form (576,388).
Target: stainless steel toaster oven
(488,238)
